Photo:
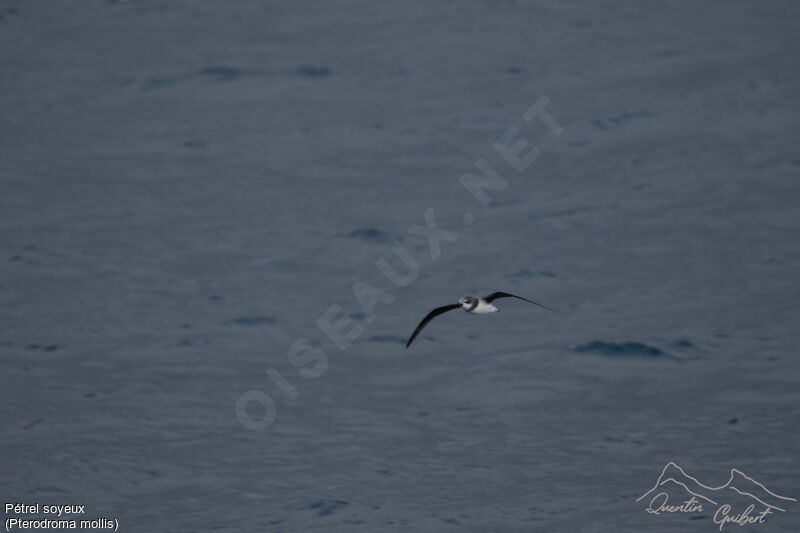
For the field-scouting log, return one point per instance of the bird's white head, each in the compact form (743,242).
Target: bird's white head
(467,301)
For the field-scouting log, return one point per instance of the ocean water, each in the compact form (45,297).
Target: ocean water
(199,203)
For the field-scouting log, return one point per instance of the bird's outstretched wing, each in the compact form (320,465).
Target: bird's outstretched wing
(433,314)
(495,295)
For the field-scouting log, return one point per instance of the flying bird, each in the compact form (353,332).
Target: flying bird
(470,304)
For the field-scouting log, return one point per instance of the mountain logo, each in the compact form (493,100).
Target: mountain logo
(740,501)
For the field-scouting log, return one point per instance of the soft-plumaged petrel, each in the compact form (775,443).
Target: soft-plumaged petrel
(470,304)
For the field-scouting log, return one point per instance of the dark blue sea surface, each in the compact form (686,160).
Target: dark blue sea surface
(221,221)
